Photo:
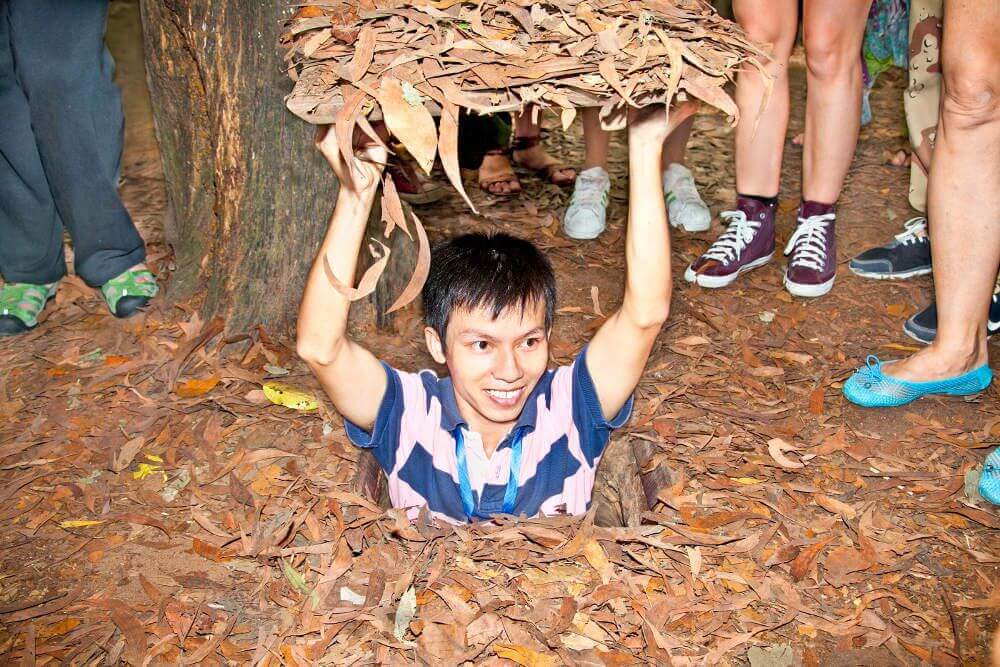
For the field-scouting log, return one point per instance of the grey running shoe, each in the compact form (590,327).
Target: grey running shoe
(922,327)
(908,255)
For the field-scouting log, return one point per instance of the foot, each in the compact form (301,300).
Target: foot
(587,214)
(908,255)
(130,291)
(926,373)
(21,304)
(747,243)
(685,206)
(528,153)
(496,175)
(922,327)
(812,250)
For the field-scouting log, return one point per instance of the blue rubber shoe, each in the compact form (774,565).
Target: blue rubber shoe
(869,387)
(989,480)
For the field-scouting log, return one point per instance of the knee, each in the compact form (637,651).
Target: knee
(970,98)
(764,29)
(829,56)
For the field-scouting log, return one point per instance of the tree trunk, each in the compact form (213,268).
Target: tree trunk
(249,194)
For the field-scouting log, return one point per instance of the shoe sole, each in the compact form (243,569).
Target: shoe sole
(714,282)
(808,291)
(693,229)
(990,332)
(902,275)
(582,237)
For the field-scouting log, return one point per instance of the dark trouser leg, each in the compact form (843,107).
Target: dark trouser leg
(65,72)
(31,249)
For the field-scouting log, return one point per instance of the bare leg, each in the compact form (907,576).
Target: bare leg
(760,135)
(833,33)
(676,144)
(963,208)
(596,140)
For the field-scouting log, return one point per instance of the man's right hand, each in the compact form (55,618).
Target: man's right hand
(364,170)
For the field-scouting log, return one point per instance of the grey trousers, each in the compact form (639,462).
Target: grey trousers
(61,129)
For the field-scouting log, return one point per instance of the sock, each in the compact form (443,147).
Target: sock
(766,201)
(810,208)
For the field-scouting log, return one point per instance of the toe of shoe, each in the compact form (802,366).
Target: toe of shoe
(11,326)
(130,305)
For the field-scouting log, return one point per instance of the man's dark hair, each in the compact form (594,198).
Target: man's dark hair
(493,271)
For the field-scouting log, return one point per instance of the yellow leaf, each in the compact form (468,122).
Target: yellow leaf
(80,523)
(290,397)
(144,470)
(523,655)
(748,481)
(198,387)
(154,458)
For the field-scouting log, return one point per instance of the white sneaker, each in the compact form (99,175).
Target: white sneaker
(587,213)
(684,205)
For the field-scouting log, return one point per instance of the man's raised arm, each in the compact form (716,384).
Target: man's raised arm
(617,355)
(351,376)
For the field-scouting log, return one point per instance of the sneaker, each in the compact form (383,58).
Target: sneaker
(685,206)
(747,243)
(869,387)
(587,213)
(21,304)
(908,255)
(812,266)
(922,327)
(989,478)
(129,291)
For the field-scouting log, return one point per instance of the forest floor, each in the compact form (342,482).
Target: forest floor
(156,507)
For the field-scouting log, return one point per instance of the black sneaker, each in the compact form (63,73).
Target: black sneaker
(922,327)
(906,256)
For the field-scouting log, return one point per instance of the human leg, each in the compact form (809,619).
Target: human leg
(964,219)
(76,116)
(587,212)
(528,151)
(32,249)
(748,241)
(833,32)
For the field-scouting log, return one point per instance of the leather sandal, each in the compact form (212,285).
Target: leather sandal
(503,176)
(548,171)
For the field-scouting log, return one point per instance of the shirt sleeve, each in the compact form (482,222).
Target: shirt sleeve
(384,436)
(588,416)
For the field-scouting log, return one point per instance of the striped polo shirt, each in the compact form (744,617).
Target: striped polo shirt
(563,429)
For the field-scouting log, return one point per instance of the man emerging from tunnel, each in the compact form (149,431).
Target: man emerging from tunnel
(502,433)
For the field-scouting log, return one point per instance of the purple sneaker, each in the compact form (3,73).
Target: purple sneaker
(747,243)
(812,267)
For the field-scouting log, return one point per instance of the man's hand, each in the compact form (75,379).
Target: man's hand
(363,172)
(649,126)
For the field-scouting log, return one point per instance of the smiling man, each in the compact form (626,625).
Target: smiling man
(502,433)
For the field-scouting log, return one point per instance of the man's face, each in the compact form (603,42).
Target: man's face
(494,363)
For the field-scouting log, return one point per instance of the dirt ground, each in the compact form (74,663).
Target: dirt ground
(158,508)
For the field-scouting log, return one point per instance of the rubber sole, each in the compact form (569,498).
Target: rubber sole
(714,282)
(808,291)
(903,275)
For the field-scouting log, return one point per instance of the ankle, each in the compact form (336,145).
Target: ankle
(957,356)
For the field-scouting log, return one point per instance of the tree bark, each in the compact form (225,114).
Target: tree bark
(249,194)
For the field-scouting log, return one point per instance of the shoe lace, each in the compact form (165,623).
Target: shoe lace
(872,370)
(808,244)
(739,233)
(915,231)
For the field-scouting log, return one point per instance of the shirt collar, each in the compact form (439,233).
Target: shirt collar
(451,418)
